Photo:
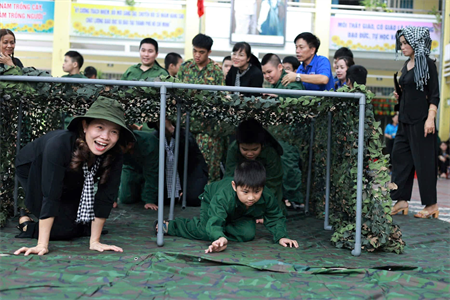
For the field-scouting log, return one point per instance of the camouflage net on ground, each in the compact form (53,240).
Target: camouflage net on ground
(215,113)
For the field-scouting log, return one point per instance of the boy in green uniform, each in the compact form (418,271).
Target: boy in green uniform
(139,181)
(273,72)
(229,209)
(73,61)
(203,70)
(149,67)
(253,142)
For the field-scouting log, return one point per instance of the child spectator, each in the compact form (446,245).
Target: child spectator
(90,72)
(172,63)
(226,65)
(356,73)
(444,160)
(229,209)
(73,61)
(253,142)
(149,67)
(389,132)
(290,64)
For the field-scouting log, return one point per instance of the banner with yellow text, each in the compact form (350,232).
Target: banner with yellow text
(162,24)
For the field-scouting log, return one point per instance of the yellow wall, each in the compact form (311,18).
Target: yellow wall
(444,107)
(322,25)
(426,4)
(61,36)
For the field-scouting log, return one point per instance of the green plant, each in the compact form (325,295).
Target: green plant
(130,2)
(375,5)
(217,114)
(434,11)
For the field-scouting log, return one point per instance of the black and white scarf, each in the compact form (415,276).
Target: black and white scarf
(419,39)
(86,207)
(237,82)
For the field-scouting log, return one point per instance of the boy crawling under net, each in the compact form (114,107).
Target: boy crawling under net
(229,209)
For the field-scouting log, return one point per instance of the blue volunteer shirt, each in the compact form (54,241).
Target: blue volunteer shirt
(391,130)
(319,65)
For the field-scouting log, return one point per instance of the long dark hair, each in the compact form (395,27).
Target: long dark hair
(244,46)
(82,153)
(4,32)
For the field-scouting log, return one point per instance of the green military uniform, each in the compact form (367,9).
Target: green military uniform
(270,157)
(135,72)
(139,179)
(211,148)
(292,178)
(291,86)
(75,76)
(223,215)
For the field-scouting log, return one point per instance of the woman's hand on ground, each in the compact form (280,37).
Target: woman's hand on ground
(288,78)
(151,206)
(39,250)
(429,126)
(218,245)
(288,242)
(104,247)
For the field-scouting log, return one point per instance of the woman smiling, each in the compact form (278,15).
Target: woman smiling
(8,44)
(58,172)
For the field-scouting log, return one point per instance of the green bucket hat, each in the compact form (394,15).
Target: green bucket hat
(106,109)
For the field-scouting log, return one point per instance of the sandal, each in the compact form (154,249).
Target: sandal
(425,214)
(23,213)
(165,227)
(403,210)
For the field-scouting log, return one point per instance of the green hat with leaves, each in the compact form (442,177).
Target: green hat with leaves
(106,109)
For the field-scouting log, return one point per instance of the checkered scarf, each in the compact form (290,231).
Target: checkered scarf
(420,40)
(237,82)
(86,207)
(169,168)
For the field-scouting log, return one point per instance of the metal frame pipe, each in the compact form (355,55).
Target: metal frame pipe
(169,85)
(326,224)
(162,152)
(19,136)
(308,180)
(359,179)
(175,162)
(186,156)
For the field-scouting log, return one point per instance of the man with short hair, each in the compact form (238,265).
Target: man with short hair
(73,61)
(226,65)
(172,63)
(149,67)
(315,70)
(203,70)
(90,72)
(356,73)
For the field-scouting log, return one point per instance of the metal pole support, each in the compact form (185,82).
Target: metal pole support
(175,162)
(186,156)
(362,112)
(326,224)
(19,136)
(308,181)
(162,152)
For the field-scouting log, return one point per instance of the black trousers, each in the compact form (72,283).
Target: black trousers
(64,225)
(413,152)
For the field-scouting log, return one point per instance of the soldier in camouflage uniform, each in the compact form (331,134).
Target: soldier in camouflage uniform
(203,70)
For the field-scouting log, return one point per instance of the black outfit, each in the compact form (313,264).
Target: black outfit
(16,62)
(54,190)
(412,151)
(253,78)
(197,169)
(443,165)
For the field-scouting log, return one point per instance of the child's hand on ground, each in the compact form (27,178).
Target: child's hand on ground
(218,245)
(104,247)
(151,206)
(288,242)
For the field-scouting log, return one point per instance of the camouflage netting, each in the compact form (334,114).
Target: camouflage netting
(43,105)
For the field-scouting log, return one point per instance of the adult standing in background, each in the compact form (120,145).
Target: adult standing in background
(342,65)
(8,44)
(341,52)
(246,69)
(226,65)
(291,64)
(315,70)
(415,145)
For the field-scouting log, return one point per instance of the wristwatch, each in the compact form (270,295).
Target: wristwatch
(298,78)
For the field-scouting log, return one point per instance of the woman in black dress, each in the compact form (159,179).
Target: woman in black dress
(58,172)
(8,44)
(246,69)
(415,143)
